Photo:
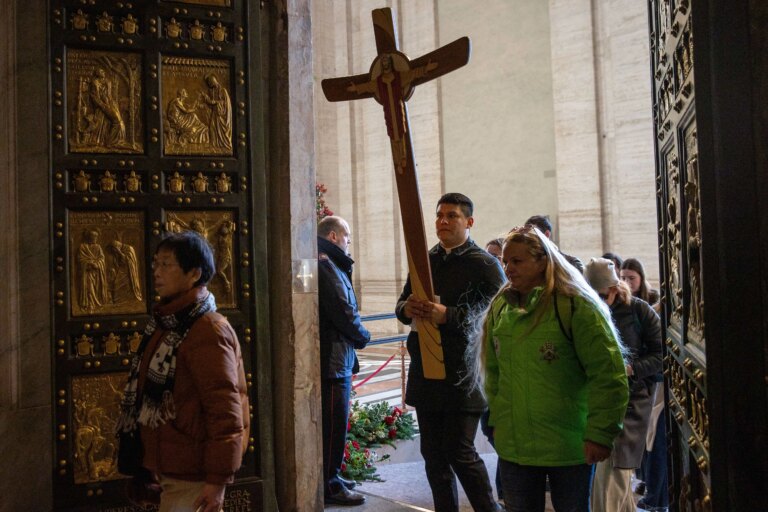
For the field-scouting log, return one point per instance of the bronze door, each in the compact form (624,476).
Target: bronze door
(710,83)
(153,132)
(680,237)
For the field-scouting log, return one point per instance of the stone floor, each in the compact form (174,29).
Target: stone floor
(404,485)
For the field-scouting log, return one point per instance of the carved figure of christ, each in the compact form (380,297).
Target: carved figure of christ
(391,81)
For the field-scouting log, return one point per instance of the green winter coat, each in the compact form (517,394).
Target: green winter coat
(546,394)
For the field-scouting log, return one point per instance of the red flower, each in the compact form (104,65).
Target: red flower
(346,454)
(389,420)
(343,467)
(397,412)
(349,425)
(356,445)
(393,433)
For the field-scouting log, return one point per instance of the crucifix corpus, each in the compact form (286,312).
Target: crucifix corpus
(391,81)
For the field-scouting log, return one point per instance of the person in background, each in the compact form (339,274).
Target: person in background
(341,332)
(640,330)
(493,247)
(552,368)
(545,226)
(617,261)
(633,273)
(653,470)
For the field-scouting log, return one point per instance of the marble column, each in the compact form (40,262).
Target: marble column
(577,142)
(292,238)
(603,130)
(26,437)
(626,131)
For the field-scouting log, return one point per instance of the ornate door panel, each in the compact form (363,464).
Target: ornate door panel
(680,237)
(152,132)
(710,90)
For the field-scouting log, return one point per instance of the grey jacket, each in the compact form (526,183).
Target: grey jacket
(640,330)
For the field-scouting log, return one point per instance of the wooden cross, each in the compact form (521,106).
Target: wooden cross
(391,81)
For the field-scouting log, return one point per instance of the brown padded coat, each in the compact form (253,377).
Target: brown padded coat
(207,439)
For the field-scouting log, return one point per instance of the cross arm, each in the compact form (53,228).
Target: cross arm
(449,57)
(348,88)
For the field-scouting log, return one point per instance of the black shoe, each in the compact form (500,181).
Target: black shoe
(640,489)
(345,497)
(349,484)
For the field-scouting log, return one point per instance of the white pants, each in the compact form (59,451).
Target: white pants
(179,495)
(612,489)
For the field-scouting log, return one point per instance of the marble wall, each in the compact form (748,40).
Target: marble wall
(485,129)
(603,130)
(25,299)
(552,115)
(626,131)
(497,113)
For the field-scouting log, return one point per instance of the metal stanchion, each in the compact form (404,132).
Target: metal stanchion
(402,376)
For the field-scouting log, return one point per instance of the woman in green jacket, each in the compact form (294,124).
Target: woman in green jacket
(554,376)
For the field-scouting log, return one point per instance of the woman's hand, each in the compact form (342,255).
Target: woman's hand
(211,499)
(595,453)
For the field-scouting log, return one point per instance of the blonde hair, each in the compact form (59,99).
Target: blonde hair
(623,293)
(560,278)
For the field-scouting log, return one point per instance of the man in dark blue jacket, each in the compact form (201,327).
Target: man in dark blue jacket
(341,332)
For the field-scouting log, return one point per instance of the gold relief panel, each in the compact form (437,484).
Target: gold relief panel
(674,235)
(95,407)
(218,227)
(694,242)
(197,107)
(104,101)
(684,54)
(107,274)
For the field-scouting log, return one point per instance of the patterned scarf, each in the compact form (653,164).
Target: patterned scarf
(155,406)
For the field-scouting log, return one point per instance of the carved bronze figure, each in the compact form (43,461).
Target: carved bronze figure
(108,274)
(198,114)
(173,29)
(104,91)
(95,400)
(133,182)
(218,227)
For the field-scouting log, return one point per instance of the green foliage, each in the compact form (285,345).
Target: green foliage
(370,426)
(321,209)
(360,463)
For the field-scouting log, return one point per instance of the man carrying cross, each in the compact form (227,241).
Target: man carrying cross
(465,278)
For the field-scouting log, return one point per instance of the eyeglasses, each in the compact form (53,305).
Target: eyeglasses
(162,265)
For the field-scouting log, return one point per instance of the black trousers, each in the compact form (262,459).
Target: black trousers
(335,394)
(448,448)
